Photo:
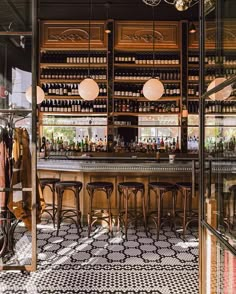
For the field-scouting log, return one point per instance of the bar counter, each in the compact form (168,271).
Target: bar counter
(116,169)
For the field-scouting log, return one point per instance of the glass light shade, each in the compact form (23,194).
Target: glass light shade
(153,89)
(39,94)
(222,94)
(182,5)
(88,89)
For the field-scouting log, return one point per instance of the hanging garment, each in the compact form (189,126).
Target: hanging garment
(4,171)
(20,203)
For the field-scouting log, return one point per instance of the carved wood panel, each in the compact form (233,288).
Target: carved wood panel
(139,35)
(73,35)
(229,36)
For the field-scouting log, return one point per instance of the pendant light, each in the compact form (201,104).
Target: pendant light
(39,94)
(153,89)
(222,94)
(88,88)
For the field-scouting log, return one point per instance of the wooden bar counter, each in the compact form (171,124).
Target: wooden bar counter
(116,170)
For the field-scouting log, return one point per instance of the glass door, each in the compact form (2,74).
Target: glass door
(18,136)
(218,147)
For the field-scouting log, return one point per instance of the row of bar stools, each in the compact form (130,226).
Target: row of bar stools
(95,215)
(126,214)
(160,190)
(50,183)
(189,215)
(75,187)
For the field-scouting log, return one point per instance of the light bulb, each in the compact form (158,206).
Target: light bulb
(182,5)
(39,94)
(153,89)
(88,89)
(222,94)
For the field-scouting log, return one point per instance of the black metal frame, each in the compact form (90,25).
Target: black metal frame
(202,158)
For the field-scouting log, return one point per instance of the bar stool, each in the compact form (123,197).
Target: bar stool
(188,214)
(160,189)
(232,190)
(75,187)
(50,182)
(128,189)
(97,214)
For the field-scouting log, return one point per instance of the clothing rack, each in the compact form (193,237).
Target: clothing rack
(8,221)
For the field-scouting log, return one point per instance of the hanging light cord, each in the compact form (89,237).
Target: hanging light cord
(89,45)
(153,42)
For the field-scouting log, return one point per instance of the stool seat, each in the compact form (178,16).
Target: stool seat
(99,185)
(131,185)
(67,184)
(46,181)
(50,182)
(185,185)
(162,185)
(75,187)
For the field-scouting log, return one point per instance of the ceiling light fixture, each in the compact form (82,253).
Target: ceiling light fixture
(222,94)
(88,88)
(153,89)
(39,94)
(180,5)
(192,28)
(107,29)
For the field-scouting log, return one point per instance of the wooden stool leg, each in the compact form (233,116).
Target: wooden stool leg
(59,208)
(78,223)
(159,197)
(126,212)
(90,212)
(185,213)
(53,205)
(144,211)
(173,208)
(108,193)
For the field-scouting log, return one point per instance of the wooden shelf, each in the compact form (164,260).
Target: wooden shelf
(193,65)
(65,81)
(167,98)
(73,65)
(133,65)
(70,97)
(137,81)
(74,113)
(143,113)
(73,125)
(142,126)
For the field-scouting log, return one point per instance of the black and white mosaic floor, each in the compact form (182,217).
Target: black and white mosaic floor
(103,264)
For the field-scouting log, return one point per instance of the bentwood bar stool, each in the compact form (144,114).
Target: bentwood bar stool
(75,187)
(127,214)
(160,190)
(188,214)
(99,214)
(50,208)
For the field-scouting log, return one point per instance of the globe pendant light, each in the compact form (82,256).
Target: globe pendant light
(182,5)
(88,88)
(222,94)
(39,94)
(153,89)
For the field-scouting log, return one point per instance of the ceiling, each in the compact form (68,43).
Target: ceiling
(15,15)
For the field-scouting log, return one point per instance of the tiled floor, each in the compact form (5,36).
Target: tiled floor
(103,264)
